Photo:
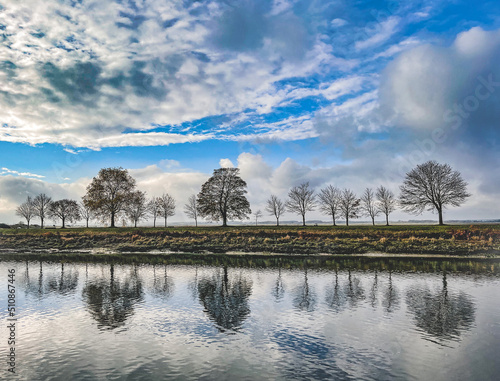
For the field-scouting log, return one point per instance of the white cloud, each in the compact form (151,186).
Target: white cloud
(24,174)
(383,32)
(226,163)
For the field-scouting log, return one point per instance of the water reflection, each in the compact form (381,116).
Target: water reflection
(111,301)
(442,315)
(305,296)
(163,285)
(62,281)
(225,301)
(286,322)
(391,297)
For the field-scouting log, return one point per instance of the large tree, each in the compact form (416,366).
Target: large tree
(432,186)
(137,207)
(275,207)
(329,201)
(222,196)
(191,209)
(26,210)
(41,204)
(109,193)
(66,210)
(369,205)
(301,199)
(349,205)
(167,206)
(386,202)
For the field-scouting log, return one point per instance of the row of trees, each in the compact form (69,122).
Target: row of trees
(112,193)
(334,202)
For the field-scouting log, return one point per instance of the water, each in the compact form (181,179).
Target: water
(303,319)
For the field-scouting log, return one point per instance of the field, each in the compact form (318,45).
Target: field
(463,240)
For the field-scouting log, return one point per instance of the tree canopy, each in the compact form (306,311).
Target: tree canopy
(222,196)
(109,193)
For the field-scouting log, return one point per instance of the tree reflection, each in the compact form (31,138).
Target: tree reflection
(374,291)
(63,283)
(278,290)
(335,296)
(163,285)
(225,301)
(305,297)
(443,315)
(353,290)
(112,302)
(390,300)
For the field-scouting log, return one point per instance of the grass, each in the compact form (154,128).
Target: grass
(357,239)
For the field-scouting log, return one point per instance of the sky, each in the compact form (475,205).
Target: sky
(349,93)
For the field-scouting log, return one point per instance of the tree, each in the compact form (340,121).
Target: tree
(222,196)
(86,213)
(257,215)
(369,205)
(386,202)
(349,205)
(137,207)
(275,207)
(191,209)
(167,206)
(26,210)
(66,210)
(329,201)
(154,209)
(432,186)
(301,199)
(109,193)
(41,204)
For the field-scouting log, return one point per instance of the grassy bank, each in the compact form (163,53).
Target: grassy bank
(406,239)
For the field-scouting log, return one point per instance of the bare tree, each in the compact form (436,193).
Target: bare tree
(275,207)
(349,205)
(369,205)
(86,213)
(432,186)
(41,204)
(154,209)
(301,199)
(66,210)
(137,207)
(329,201)
(167,206)
(26,210)
(191,209)
(257,215)
(386,202)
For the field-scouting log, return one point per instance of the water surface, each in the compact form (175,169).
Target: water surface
(345,319)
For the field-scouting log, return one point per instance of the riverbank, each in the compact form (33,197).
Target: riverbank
(456,240)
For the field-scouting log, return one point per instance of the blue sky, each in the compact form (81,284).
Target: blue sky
(350,93)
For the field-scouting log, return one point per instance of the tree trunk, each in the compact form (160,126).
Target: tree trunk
(87,222)
(135,223)
(41,219)
(165,221)
(154,221)
(196,222)
(62,223)
(333,218)
(28,224)
(387,219)
(112,219)
(440,211)
(346,220)
(303,220)
(373,221)
(224,221)
(277,221)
